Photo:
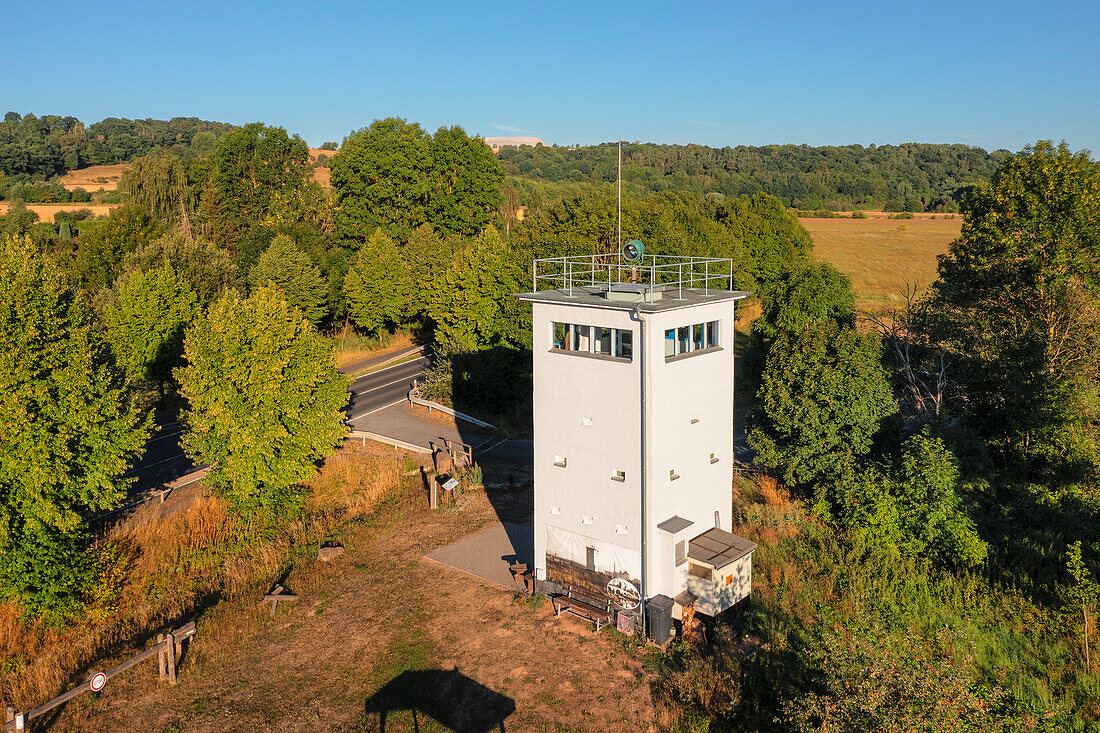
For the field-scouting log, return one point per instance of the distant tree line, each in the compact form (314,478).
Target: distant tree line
(908,177)
(38,148)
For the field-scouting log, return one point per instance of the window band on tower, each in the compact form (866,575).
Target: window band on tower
(601,342)
(698,338)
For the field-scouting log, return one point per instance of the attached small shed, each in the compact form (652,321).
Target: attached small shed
(719,570)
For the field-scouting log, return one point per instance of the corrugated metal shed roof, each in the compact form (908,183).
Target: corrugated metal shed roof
(718,548)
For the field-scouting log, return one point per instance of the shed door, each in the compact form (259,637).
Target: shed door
(590,558)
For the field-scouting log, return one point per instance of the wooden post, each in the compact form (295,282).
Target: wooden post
(162,661)
(170,652)
(435,492)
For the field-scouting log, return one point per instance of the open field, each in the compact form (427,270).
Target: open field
(46,211)
(321,174)
(882,255)
(94,177)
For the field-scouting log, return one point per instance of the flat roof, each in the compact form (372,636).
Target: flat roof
(674,524)
(670,298)
(718,548)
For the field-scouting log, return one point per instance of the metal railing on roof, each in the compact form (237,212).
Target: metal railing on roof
(654,272)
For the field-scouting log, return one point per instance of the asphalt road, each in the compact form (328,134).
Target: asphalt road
(164,459)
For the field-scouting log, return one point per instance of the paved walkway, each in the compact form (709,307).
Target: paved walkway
(396,421)
(488,553)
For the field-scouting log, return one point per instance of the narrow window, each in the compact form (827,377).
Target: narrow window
(712,334)
(683,339)
(555,510)
(602,340)
(582,338)
(561,336)
(590,558)
(670,343)
(697,337)
(620,529)
(729,580)
(672,475)
(559,461)
(624,347)
(713,458)
(681,552)
(586,422)
(585,519)
(618,475)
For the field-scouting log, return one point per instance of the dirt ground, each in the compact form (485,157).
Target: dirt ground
(382,628)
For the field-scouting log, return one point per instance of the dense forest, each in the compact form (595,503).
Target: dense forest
(909,177)
(924,485)
(38,148)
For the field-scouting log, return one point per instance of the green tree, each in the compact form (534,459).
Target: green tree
(102,248)
(1017,306)
(166,185)
(377,285)
(70,430)
(145,325)
(207,269)
(1084,594)
(382,177)
(265,399)
(466,182)
(18,221)
(805,294)
(290,270)
(915,506)
(253,166)
(472,303)
(822,397)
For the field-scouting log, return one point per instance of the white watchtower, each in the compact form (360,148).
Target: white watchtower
(633,430)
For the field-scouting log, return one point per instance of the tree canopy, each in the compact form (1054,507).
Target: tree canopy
(377,286)
(1017,306)
(145,325)
(70,431)
(290,271)
(265,399)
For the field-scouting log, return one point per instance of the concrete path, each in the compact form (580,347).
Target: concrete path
(396,421)
(488,553)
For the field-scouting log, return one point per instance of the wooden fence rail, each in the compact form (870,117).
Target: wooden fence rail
(168,648)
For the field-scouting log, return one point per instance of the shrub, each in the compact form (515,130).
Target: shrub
(859,214)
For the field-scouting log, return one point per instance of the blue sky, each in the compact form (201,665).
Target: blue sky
(994,74)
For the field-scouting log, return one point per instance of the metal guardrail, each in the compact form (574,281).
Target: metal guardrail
(446,410)
(365,435)
(609,270)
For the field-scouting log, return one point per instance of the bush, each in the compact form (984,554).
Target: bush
(859,214)
(80,196)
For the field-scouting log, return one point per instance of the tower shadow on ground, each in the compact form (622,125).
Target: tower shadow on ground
(448,697)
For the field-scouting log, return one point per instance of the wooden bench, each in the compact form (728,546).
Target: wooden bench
(596,610)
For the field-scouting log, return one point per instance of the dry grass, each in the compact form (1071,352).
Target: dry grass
(881,255)
(94,177)
(165,560)
(350,347)
(46,211)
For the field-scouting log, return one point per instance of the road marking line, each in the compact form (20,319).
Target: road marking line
(151,465)
(383,407)
(387,384)
(160,437)
(386,368)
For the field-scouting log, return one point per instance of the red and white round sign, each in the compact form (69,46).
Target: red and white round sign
(98,681)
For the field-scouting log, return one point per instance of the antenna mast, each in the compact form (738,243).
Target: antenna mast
(620,192)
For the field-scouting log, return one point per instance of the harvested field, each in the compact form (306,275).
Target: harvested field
(881,255)
(320,173)
(46,211)
(94,178)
